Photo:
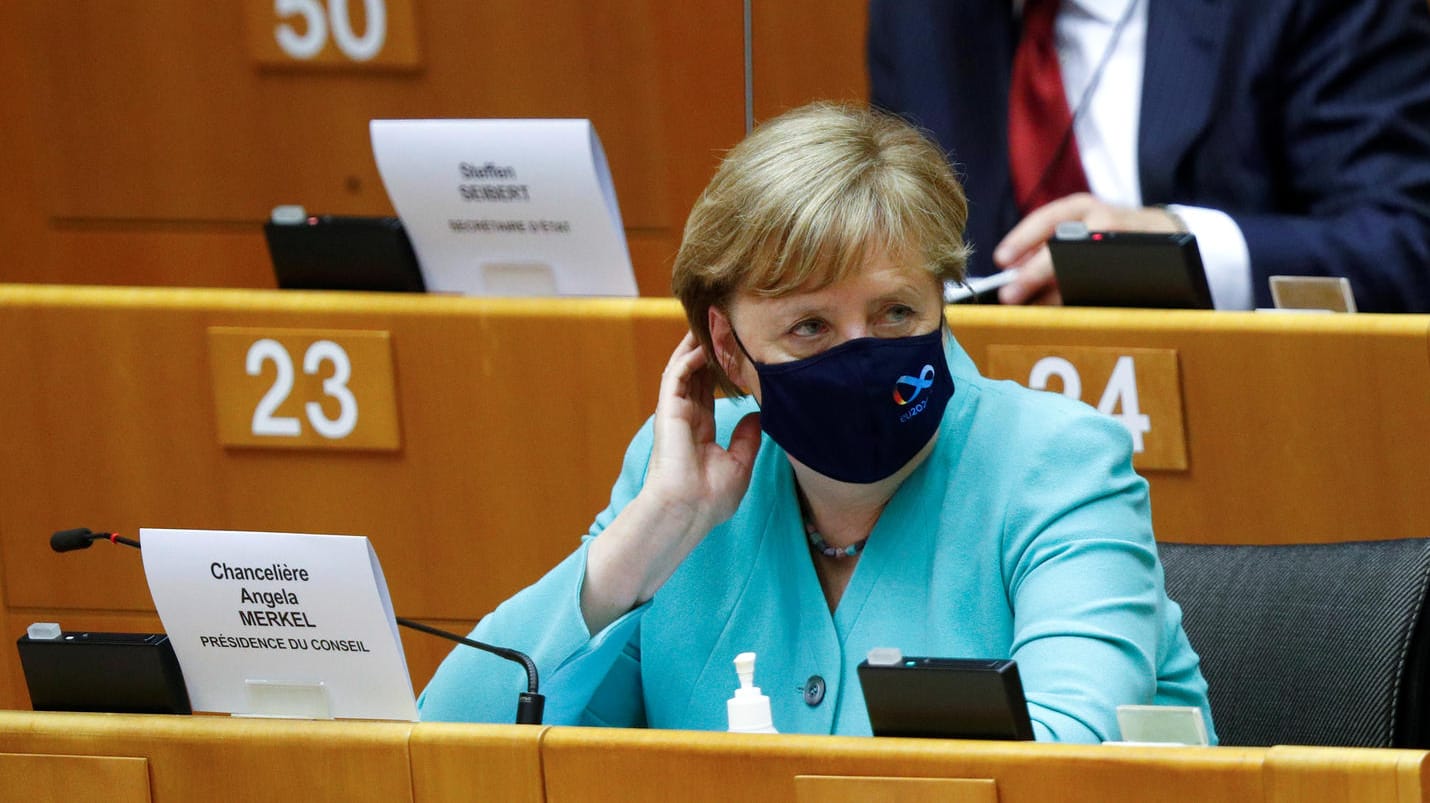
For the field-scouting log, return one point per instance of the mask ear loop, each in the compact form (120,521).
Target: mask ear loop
(943,309)
(746,352)
(741,344)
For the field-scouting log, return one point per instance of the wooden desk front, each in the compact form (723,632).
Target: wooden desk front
(218,758)
(514,415)
(211,758)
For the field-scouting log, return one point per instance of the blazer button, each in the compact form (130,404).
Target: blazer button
(814,691)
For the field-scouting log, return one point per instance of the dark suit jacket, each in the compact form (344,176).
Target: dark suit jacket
(1307,121)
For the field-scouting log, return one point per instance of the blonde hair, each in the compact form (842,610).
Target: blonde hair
(802,201)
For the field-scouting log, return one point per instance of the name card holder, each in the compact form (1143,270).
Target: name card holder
(286,699)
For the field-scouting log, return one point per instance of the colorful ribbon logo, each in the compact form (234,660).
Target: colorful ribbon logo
(920,383)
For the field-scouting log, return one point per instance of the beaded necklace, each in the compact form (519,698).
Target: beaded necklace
(817,542)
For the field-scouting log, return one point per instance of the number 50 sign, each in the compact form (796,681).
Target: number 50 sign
(1141,388)
(303,388)
(350,34)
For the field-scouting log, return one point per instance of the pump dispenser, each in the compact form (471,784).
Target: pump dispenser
(749,710)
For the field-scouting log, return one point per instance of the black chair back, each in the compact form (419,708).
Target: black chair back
(1312,644)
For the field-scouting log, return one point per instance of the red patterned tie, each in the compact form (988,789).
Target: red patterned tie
(1042,150)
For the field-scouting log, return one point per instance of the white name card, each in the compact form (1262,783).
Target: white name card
(251,612)
(506,207)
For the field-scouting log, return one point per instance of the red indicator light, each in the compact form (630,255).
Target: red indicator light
(1097,236)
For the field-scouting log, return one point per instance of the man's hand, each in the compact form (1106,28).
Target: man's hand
(1025,248)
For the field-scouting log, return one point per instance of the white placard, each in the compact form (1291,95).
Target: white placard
(248,610)
(506,207)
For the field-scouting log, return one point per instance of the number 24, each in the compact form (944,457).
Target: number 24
(1121,391)
(335,386)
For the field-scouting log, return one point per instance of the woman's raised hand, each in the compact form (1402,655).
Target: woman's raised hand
(688,469)
(692,484)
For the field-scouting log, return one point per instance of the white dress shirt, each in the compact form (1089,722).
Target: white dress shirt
(1106,130)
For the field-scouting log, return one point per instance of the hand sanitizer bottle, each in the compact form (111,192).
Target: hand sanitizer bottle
(749,710)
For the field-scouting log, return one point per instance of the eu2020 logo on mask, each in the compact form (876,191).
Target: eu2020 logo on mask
(919,384)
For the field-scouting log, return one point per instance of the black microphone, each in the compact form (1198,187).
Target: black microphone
(82,537)
(67,540)
(529,704)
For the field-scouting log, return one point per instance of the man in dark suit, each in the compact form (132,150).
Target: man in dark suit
(1305,123)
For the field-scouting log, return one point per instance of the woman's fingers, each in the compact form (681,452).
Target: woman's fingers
(745,442)
(687,461)
(684,360)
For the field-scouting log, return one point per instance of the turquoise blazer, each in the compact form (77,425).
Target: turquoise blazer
(1025,534)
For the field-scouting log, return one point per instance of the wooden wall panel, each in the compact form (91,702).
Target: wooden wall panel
(190,129)
(12,682)
(1346,776)
(454,761)
(213,758)
(809,50)
(59,779)
(205,758)
(144,145)
(116,430)
(1300,428)
(651,763)
(139,378)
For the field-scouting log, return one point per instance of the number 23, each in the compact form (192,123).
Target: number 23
(335,386)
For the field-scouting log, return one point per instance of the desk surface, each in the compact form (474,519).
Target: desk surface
(195,758)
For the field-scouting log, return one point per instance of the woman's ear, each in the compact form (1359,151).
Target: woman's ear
(727,351)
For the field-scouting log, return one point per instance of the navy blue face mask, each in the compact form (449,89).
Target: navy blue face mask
(860,411)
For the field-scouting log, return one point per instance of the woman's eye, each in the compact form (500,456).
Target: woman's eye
(808,328)
(899,313)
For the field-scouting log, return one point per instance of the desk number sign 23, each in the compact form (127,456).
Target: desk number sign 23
(304,388)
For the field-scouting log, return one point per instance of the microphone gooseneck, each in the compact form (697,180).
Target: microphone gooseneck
(530,705)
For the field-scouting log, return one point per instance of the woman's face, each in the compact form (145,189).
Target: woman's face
(884,298)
